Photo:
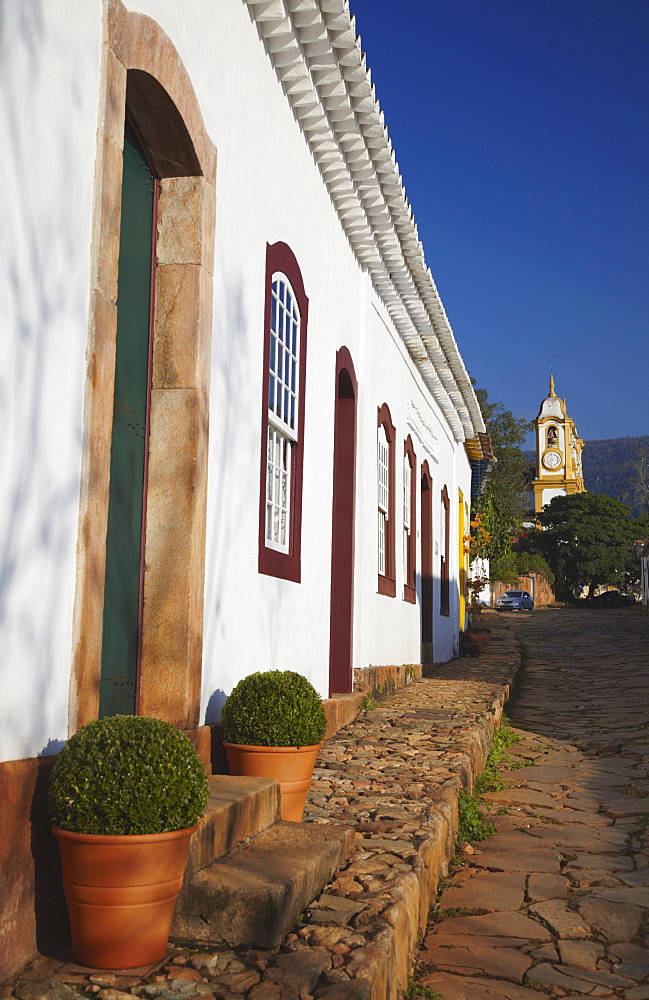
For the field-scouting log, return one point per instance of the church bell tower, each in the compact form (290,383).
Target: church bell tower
(558,452)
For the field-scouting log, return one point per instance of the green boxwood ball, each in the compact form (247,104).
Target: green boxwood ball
(275,708)
(127,775)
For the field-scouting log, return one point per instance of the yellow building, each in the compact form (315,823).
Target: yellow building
(558,452)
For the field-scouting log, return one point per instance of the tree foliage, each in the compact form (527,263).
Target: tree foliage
(503,505)
(638,491)
(586,540)
(515,564)
(507,483)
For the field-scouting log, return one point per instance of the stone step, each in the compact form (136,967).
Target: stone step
(237,808)
(255,894)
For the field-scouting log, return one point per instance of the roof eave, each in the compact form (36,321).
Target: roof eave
(317,55)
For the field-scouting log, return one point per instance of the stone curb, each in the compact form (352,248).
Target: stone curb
(395,775)
(437,733)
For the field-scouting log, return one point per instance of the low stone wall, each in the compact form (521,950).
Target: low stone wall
(382,681)
(340,710)
(33,915)
(394,775)
(534,583)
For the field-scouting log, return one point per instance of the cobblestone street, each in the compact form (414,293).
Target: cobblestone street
(558,899)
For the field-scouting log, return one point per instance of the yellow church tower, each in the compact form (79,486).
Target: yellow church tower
(558,452)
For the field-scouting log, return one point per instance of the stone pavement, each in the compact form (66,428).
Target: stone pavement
(558,899)
(395,775)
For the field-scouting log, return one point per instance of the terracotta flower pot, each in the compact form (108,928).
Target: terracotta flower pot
(291,766)
(481,636)
(121,893)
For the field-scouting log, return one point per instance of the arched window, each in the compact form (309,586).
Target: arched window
(280,515)
(426,561)
(385,502)
(383,473)
(283,388)
(444,599)
(409,521)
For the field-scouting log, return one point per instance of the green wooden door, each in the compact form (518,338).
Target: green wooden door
(121,627)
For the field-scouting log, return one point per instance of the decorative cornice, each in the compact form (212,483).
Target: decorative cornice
(317,56)
(423,431)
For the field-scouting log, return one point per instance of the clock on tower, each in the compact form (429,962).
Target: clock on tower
(558,452)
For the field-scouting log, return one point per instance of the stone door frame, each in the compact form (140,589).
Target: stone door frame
(142,71)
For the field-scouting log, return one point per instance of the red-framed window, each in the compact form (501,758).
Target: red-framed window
(444,539)
(426,554)
(409,521)
(282,420)
(385,490)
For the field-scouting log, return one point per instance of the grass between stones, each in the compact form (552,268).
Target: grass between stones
(503,739)
(418,990)
(369,703)
(472,825)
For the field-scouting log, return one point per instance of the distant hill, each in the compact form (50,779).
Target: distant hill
(606,465)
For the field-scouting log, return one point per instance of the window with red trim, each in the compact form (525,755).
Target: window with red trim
(282,422)
(444,602)
(385,490)
(409,522)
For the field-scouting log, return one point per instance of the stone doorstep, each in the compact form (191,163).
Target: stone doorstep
(237,808)
(277,871)
(254,895)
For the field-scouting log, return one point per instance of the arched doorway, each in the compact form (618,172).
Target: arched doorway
(342,528)
(426,565)
(147,85)
(123,597)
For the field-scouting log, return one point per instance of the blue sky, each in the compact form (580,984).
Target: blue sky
(521,128)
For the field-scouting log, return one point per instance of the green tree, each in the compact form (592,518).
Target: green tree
(504,503)
(638,480)
(586,539)
(640,533)
(508,480)
(641,526)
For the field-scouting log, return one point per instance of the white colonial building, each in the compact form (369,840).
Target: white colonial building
(237,430)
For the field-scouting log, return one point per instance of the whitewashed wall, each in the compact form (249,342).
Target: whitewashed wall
(49,79)
(389,632)
(268,189)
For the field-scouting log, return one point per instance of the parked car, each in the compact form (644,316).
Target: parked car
(611,599)
(515,600)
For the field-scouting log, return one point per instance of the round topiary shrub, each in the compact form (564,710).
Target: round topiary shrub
(275,708)
(127,775)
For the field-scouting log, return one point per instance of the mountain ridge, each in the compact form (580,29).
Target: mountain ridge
(607,466)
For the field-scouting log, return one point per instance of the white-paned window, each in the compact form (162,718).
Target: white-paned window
(407,490)
(383,483)
(278,489)
(386,496)
(283,394)
(443,517)
(444,540)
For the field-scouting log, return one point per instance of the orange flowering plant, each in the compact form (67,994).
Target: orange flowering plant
(477,542)
(476,545)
